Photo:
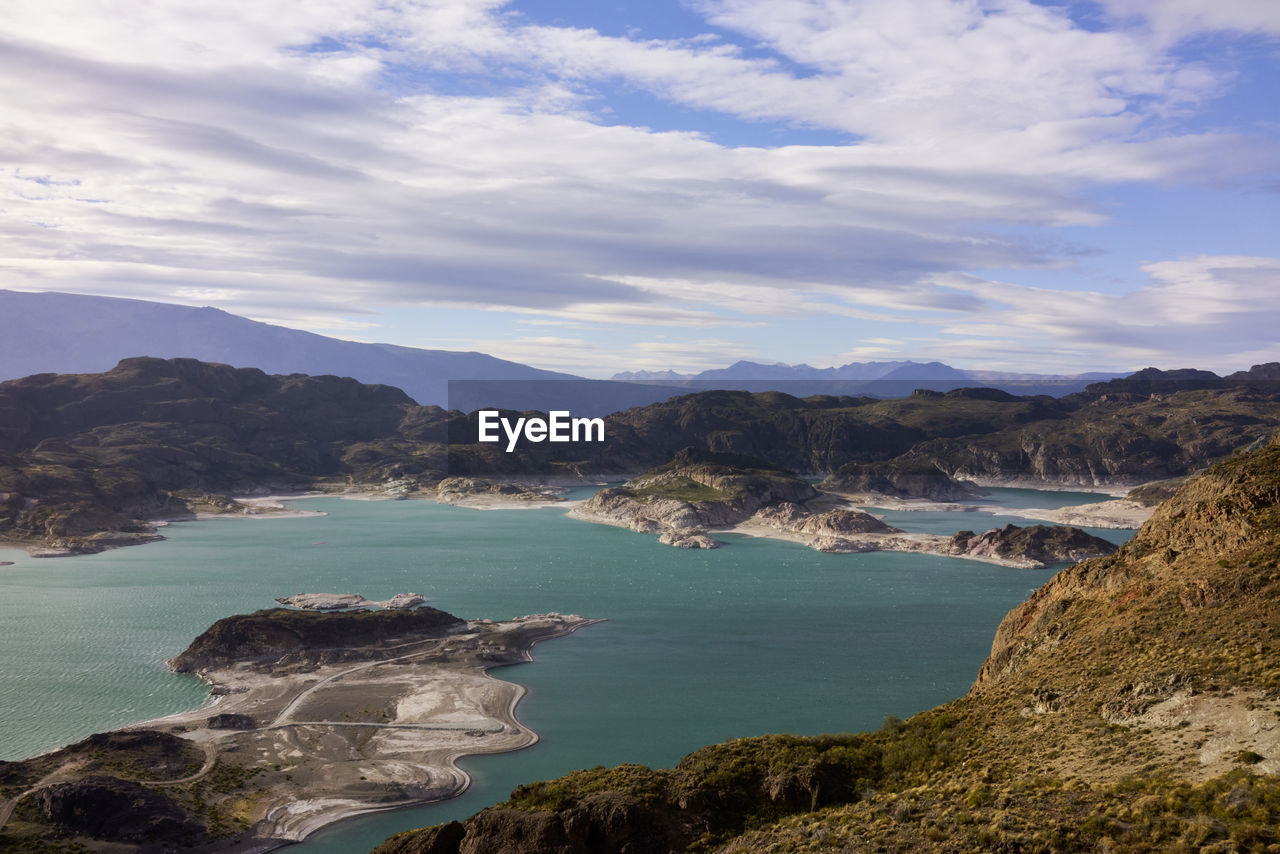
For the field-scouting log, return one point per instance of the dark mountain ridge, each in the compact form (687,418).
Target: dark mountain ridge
(877,379)
(84,455)
(74,334)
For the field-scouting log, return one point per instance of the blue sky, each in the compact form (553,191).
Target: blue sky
(608,186)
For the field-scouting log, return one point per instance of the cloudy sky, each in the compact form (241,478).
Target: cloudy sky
(605,185)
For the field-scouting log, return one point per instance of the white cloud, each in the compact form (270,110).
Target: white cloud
(1216,312)
(590,358)
(1175,19)
(299,160)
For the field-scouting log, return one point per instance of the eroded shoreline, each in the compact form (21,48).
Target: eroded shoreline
(320,735)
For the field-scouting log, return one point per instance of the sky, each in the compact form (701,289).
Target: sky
(614,185)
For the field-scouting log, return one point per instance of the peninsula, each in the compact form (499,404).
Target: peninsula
(313,717)
(699,493)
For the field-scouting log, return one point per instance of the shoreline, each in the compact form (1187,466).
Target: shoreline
(907,542)
(517,697)
(465,780)
(329,738)
(263,503)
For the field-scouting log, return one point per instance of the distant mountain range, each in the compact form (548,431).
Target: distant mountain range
(878,379)
(73,333)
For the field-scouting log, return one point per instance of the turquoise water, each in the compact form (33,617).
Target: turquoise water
(759,636)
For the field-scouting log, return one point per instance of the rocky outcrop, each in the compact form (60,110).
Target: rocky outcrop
(840,523)
(633,810)
(463,490)
(696,490)
(109,808)
(231,721)
(267,636)
(688,539)
(608,824)
(900,480)
(342,601)
(1044,544)
(1156,492)
(1198,556)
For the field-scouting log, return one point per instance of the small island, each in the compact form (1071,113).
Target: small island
(484,494)
(315,716)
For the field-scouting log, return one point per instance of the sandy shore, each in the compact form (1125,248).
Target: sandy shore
(381,730)
(1119,490)
(1117,513)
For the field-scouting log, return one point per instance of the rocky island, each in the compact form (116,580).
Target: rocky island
(314,717)
(697,489)
(484,493)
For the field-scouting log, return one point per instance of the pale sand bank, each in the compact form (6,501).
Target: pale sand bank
(1117,513)
(377,731)
(935,544)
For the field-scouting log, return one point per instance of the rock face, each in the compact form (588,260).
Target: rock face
(1042,543)
(900,480)
(696,490)
(1151,494)
(120,811)
(266,636)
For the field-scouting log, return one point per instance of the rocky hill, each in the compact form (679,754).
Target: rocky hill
(900,479)
(1121,433)
(1131,704)
(696,489)
(88,460)
(269,634)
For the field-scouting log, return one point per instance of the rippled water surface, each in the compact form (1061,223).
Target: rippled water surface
(756,637)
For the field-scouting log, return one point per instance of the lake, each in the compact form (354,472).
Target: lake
(700,646)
